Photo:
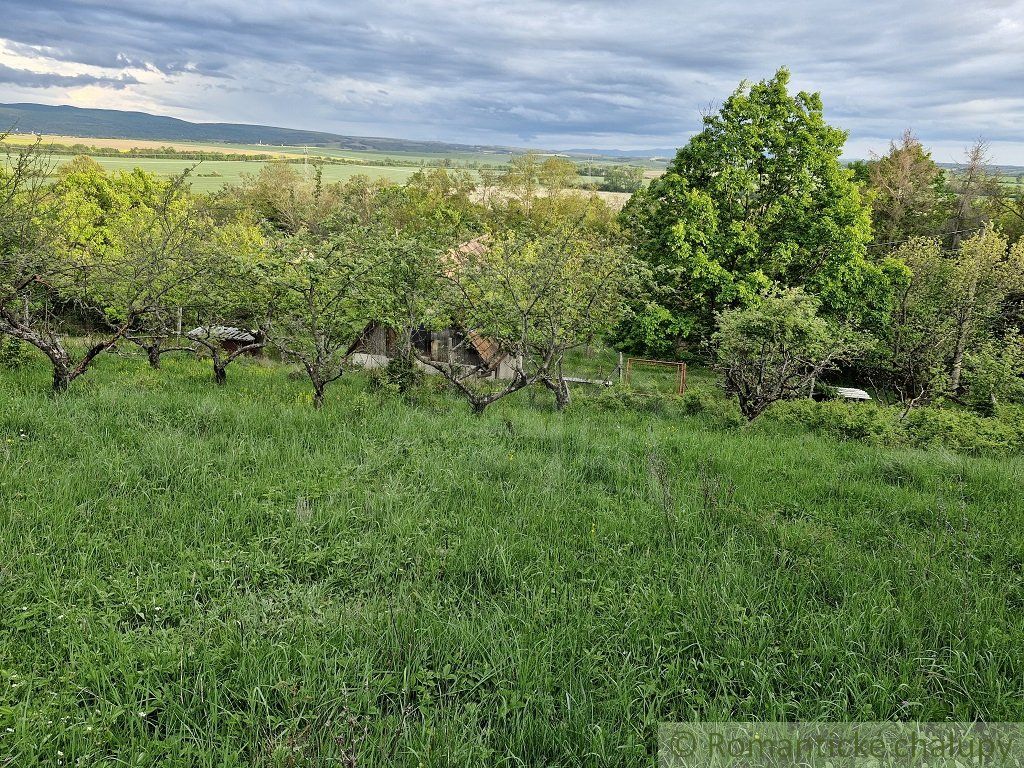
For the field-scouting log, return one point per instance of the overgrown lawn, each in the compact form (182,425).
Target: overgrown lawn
(203,576)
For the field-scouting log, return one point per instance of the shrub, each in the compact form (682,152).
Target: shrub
(994,373)
(777,347)
(869,423)
(723,411)
(13,352)
(628,399)
(400,375)
(956,429)
(964,431)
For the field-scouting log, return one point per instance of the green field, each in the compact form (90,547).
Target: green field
(1013,184)
(210,175)
(409,158)
(203,576)
(456,158)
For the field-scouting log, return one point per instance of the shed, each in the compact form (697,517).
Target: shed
(377,344)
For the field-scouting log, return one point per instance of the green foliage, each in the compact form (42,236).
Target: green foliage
(776,348)
(13,352)
(137,242)
(994,372)
(651,329)
(535,294)
(328,277)
(931,427)
(987,271)
(961,430)
(946,305)
(915,343)
(713,405)
(757,198)
(866,422)
(625,399)
(399,376)
(615,178)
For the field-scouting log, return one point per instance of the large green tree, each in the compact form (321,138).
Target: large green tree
(756,199)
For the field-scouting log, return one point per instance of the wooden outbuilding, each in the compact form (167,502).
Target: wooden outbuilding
(377,344)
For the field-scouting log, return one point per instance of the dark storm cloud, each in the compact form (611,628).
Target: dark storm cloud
(545,71)
(29,79)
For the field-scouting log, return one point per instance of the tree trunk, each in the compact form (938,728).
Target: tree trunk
(962,332)
(220,374)
(958,362)
(560,388)
(479,406)
(153,353)
(61,378)
(318,396)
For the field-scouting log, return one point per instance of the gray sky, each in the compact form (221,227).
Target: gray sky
(530,72)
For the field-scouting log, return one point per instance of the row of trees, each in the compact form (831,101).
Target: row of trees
(304,266)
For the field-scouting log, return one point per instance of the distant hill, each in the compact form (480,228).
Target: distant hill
(118,124)
(660,153)
(121,124)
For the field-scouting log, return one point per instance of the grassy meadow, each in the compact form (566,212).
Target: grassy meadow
(203,576)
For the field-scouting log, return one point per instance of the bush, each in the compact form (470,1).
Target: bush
(399,376)
(994,373)
(723,411)
(964,431)
(627,399)
(777,347)
(956,429)
(872,424)
(13,352)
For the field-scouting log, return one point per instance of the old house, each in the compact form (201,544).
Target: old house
(377,344)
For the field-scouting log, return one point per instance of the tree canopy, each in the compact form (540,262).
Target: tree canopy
(757,199)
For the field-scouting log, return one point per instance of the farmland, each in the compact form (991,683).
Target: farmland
(222,576)
(337,164)
(210,175)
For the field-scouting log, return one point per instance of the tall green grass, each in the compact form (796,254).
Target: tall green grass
(203,576)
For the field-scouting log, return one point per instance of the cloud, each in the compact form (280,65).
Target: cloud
(28,79)
(543,72)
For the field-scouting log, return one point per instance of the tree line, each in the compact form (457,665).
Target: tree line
(305,266)
(758,251)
